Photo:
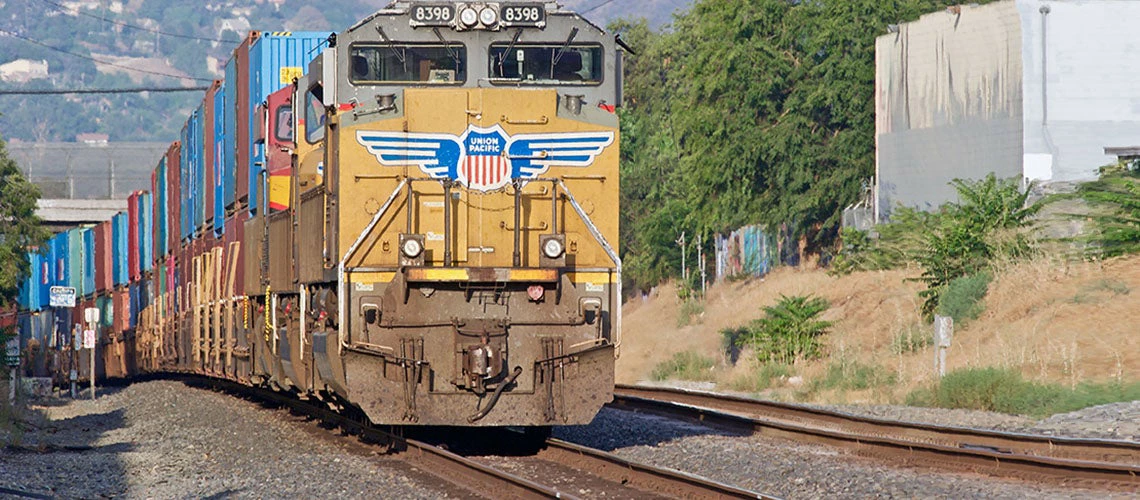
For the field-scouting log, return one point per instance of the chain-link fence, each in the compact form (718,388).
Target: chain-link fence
(88,172)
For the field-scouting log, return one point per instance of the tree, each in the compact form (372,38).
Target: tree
(20,228)
(749,112)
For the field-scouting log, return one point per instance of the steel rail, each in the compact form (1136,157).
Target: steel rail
(666,482)
(909,443)
(462,472)
(1103,450)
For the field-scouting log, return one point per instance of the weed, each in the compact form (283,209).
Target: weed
(962,299)
(686,365)
(1006,391)
(789,330)
(850,375)
(691,308)
(911,340)
(766,376)
(1089,294)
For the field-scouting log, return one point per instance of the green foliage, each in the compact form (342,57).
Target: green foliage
(1006,391)
(1117,232)
(789,330)
(962,299)
(911,340)
(690,308)
(967,236)
(1094,292)
(19,226)
(749,112)
(851,375)
(765,377)
(686,365)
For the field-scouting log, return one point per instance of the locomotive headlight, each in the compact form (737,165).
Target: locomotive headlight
(488,17)
(553,248)
(468,17)
(412,248)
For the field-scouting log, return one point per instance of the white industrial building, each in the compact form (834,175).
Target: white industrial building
(1021,88)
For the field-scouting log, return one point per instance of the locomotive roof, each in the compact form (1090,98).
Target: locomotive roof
(401,7)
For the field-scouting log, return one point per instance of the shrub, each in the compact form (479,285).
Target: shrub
(913,339)
(962,299)
(984,225)
(788,331)
(1006,391)
(686,365)
(690,309)
(853,375)
(766,376)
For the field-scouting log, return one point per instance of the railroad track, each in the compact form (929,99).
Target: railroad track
(606,473)
(1100,463)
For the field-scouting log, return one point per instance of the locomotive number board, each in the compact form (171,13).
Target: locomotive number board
(433,15)
(523,15)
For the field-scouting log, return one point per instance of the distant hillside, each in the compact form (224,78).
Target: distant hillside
(144,40)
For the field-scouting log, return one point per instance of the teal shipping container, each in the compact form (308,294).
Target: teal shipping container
(119,245)
(146,232)
(88,261)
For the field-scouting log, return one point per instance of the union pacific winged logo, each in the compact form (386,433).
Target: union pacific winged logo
(485,159)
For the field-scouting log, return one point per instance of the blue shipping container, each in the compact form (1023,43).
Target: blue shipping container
(273,59)
(61,251)
(228,92)
(222,158)
(146,233)
(191,161)
(199,184)
(121,269)
(31,290)
(88,261)
(46,272)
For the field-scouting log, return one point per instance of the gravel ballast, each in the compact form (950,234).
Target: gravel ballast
(787,469)
(163,439)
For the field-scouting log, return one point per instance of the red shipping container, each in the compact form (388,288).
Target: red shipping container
(133,236)
(174,197)
(122,310)
(210,148)
(244,109)
(104,279)
(235,232)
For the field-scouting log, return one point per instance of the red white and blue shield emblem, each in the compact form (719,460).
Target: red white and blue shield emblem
(485,159)
(485,166)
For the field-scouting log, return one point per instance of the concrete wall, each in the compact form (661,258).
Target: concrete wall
(948,102)
(1092,68)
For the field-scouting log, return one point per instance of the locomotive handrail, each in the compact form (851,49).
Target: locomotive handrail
(610,252)
(342,288)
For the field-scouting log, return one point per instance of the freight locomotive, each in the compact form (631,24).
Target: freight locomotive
(414,219)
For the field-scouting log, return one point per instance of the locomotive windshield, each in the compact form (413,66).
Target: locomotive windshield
(391,63)
(547,64)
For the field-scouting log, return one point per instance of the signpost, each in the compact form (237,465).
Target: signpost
(91,314)
(62,296)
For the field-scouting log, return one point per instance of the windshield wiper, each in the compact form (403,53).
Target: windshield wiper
(562,49)
(506,53)
(447,45)
(392,46)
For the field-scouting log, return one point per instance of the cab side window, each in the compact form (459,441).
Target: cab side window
(315,114)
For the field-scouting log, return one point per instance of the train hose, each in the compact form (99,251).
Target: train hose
(495,396)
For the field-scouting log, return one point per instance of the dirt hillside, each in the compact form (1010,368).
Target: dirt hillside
(1056,321)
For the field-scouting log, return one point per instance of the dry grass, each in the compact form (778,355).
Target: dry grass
(1052,320)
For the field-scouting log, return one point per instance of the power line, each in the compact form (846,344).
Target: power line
(63,8)
(596,7)
(57,49)
(104,91)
